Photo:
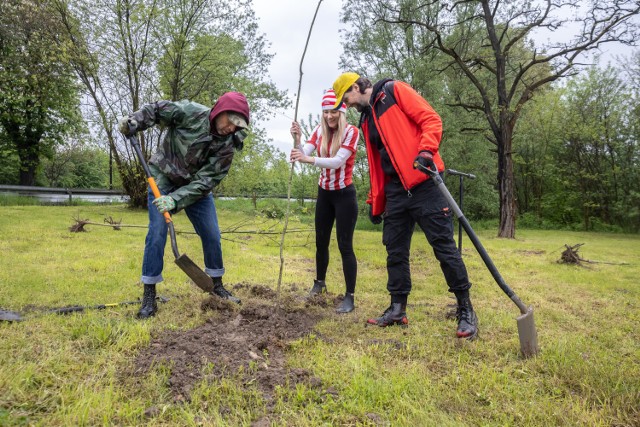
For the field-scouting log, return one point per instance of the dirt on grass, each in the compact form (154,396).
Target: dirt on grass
(248,340)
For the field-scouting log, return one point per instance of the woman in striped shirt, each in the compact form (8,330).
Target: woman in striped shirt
(335,143)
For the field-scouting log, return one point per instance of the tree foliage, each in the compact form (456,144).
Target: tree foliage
(77,165)
(38,93)
(131,52)
(488,44)
(577,160)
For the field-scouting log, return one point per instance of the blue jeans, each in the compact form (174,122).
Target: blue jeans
(202,215)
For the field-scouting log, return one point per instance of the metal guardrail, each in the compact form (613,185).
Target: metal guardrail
(54,194)
(60,195)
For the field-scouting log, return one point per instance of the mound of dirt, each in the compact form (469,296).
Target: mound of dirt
(253,336)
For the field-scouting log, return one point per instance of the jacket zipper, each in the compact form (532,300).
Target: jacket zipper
(384,139)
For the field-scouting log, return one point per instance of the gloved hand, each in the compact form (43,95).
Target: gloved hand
(165,203)
(127,126)
(375,219)
(425,159)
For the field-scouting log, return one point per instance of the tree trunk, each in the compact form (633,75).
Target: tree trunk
(29,154)
(28,176)
(506,185)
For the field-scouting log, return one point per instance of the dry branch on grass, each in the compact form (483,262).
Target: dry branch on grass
(570,256)
(78,227)
(263,229)
(114,223)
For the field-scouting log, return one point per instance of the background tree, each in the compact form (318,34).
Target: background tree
(38,95)
(600,150)
(76,165)
(131,52)
(506,28)
(540,182)
(111,54)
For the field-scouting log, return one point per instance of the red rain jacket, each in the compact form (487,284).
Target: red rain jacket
(407,125)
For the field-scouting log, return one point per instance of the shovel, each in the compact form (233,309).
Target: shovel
(526,326)
(195,273)
(14,316)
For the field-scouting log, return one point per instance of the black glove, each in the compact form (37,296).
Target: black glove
(425,159)
(376,219)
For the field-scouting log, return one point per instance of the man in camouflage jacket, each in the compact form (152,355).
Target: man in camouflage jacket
(195,156)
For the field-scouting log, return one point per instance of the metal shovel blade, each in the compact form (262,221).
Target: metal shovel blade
(195,273)
(527,333)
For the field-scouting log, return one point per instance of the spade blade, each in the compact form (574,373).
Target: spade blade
(195,273)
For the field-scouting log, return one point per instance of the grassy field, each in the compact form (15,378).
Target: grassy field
(71,370)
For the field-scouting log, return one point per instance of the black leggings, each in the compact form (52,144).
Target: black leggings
(341,206)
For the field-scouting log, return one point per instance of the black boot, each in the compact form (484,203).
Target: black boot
(467,319)
(347,304)
(396,314)
(319,287)
(219,289)
(149,306)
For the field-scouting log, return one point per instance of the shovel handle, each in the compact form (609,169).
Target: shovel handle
(133,139)
(156,194)
(472,235)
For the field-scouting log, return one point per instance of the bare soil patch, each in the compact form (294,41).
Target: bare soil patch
(248,340)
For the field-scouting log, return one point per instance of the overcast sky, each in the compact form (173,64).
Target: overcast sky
(286,26)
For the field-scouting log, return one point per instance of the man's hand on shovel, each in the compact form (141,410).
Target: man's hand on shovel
(165,204)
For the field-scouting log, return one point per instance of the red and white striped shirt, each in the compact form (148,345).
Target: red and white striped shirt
(341,177)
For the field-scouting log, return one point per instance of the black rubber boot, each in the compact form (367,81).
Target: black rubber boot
(396,314)
(319,287)
(149,306)
(219,289)
(347,304)
(467,319)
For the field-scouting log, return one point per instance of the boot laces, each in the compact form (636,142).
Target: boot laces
(465,312)
(149,296)
(221,291)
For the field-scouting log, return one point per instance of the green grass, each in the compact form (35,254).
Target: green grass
(71,370)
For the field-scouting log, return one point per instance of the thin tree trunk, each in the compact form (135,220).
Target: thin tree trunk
(506,181)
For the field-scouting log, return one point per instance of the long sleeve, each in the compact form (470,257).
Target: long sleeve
(190,162)
(421,113)
(334,162)
(308,149)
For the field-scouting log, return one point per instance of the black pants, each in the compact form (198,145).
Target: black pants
(426,206)
(340,206)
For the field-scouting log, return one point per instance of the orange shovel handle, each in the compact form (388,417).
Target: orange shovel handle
(156,193)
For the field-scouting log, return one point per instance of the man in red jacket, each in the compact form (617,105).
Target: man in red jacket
(400,128)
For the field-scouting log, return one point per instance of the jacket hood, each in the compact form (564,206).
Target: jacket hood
(230,101)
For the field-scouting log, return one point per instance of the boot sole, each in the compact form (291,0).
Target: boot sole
(141,317)
(386,325)
(472,336)
(468,337)
(313,294)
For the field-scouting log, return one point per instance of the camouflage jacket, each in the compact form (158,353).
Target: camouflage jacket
(191,160)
